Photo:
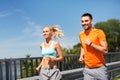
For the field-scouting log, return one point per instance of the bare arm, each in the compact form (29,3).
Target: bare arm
(102,48)
(41,46)
(81,59)
(38,67)
(59,51)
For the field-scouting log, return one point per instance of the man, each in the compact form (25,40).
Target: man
(93,49)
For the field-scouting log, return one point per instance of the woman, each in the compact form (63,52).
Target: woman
(52,53)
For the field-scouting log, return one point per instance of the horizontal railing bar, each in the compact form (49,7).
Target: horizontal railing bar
(73,72)
(69,72)
(113,63)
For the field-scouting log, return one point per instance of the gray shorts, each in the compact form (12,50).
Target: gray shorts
(50,74)
(95,73)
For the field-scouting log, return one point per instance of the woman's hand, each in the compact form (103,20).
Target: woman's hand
(37,69)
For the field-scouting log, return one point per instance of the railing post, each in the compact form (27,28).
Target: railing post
(7,70)
(8,65)
(110,60)
(60,66)
(15,73)
(1,71)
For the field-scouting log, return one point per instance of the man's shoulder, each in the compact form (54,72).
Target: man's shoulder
(97,30)
(82,32)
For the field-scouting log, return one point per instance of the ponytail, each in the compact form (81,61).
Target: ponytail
(57,32)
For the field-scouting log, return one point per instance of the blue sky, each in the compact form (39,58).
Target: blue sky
(22,21)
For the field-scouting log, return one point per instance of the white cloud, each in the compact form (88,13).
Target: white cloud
(68,42)
(32,28)
(3,14)
(9,13)
(18,42)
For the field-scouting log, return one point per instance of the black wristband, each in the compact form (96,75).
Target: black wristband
(90,44)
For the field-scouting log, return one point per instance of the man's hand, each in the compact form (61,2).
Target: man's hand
(88,41)
(81,59)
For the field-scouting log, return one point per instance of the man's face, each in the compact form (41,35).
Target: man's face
(86,22)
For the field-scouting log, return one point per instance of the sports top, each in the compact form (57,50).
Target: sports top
(49,51)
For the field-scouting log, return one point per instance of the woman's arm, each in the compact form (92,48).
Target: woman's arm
(59,51)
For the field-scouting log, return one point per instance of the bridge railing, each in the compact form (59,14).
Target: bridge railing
(77,74)
(18,68)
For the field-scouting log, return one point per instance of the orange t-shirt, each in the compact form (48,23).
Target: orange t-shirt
(92,57)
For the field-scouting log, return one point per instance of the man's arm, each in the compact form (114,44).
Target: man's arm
(81,59)
(102,48)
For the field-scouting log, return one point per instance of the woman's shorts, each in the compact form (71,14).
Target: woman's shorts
(50,74)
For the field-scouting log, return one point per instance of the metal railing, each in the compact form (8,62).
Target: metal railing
(18,68)
(76,74)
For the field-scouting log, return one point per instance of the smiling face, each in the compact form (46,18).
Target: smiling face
(47,33)
(86,22)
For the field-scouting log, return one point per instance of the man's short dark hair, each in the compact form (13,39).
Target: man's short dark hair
(87,14)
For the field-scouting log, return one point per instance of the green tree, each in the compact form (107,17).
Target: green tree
(74,50)
(112,31)
(65,51)
(28,55)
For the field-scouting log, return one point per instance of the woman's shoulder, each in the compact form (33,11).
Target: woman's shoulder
(41,44)
(55,42)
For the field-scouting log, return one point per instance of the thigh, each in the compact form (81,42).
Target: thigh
(55,74)
(95,73)
(88,75)
(44,74)
(102,73)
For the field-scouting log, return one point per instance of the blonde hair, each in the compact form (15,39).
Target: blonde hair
(56,31)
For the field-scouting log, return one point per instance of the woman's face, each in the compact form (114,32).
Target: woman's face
(47,33)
